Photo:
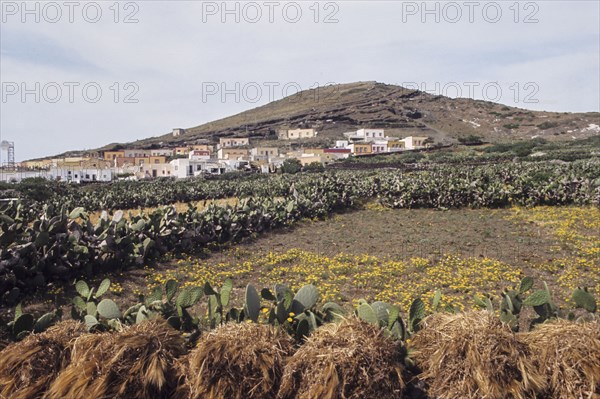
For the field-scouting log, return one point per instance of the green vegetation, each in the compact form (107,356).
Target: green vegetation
(470,140)
(46,242)
(298,313)
(291,166)
(314,167)
(171,334)
(547,125)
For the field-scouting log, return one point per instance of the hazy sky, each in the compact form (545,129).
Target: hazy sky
(79,75)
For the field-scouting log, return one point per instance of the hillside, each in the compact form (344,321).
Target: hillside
(402,112)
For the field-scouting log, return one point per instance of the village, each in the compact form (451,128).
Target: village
(228,155)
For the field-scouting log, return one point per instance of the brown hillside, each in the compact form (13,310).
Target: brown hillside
(333,110)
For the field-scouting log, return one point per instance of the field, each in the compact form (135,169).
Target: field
(392,255)
(376,254)
(272,265)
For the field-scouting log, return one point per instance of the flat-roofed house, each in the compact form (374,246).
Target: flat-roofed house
(165,152)
(414,142)
(137,153)
(361,148)
(295,134)
(337,153)
(233,153)
(228,142)
(112,155)
(396,145)
(264,153)
(379,146)
(182,151)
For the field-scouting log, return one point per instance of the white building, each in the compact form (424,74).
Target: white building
(379,146)
(182,167)
(371,134)
(263,153)
(295,134)
(12,176)
(228,142)
(136,153)
(79,175)
(414,142)
(178,131)
(162,152)
(154,170)
(365,135)
(199,155)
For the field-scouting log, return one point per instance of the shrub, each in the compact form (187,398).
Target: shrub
(547,125)
(291,165)
(314,167)
(470,140)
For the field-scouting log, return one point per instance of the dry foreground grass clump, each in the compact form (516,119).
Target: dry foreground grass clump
(135,363)
(569,355)
(236,361)
(458,356)
(350,360)
(27,368)
(473,355)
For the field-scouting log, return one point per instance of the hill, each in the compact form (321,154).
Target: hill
(333,110)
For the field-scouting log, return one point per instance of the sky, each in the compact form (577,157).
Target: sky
(79,75)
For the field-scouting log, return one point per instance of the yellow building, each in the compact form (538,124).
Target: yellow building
(40,164)
(361,148)
(157,160)
(316,151)
(112,155)
(265,151)
(70,162)
(233,153)
(396,145)
(202,147)
(307,159)
(182,150)
(95,163)
(139,161)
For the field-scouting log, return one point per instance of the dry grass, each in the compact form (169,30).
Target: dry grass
(569,355)
(350,360)
(27,368)
(473,355)
(237,361)
(134,364)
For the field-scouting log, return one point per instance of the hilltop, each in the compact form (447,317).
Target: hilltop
(333,110)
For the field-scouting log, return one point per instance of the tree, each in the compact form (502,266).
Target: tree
(291,165)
